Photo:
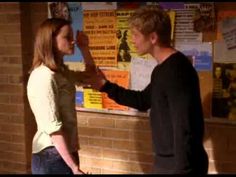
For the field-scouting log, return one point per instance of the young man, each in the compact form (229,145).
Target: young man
(173,96)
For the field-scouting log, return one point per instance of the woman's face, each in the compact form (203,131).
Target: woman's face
(65,41)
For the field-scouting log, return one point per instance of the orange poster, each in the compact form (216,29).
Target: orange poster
(100,26)
(121,78)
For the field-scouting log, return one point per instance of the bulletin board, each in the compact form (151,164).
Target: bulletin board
(106,25)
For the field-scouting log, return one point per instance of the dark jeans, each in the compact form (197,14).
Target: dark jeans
(49,161)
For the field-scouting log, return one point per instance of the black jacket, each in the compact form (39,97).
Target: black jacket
(176,116)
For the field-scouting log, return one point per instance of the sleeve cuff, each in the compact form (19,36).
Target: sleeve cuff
(105,86)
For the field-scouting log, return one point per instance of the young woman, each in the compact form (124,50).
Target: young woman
(51,94)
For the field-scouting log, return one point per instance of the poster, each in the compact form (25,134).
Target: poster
(125,46)
(100,26)
(172,14)
(184,27)
(71,11)
(199,53)
(224,91)
(122,79)
(228,30)
(204,17)
(79,98)
(222,15)
(140,72)
(92,99)
(76,14)
(222,54)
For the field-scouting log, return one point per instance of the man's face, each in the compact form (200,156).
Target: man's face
(141,42)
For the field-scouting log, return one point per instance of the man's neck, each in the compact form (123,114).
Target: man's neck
(162,53)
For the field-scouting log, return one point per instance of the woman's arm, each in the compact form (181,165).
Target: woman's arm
(59,141)
(83,43)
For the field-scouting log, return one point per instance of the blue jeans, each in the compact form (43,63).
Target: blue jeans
(49,161)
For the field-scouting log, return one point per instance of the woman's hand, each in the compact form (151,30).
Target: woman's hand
(82,40)
(77,171)
(96,78)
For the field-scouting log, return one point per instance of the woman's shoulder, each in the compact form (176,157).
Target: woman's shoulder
(42,74)
(42,70)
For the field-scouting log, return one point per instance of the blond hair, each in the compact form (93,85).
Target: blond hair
(152,18)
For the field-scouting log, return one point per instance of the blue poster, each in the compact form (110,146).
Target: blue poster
(79,98)
(200,54)
(203,63)
(76,14)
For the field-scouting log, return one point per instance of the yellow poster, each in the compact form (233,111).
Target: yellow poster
(126,49)
(172,21)
(122,79)
(100,26)
(92,98)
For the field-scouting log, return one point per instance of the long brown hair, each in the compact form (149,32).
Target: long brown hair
(44,48)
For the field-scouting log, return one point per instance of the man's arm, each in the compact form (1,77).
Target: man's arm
(140,100)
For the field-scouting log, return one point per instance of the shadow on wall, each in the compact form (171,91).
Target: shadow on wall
(143,146)
(220,145)
(219,142)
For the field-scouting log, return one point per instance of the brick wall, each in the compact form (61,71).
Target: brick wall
(114,144)
(12,128)
(121,144)
(17,25)
(109,143)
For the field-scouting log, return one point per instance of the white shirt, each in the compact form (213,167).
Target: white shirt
(52,100)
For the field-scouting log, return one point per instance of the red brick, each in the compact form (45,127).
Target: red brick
(12,156)
(12,39)
(4,98)
(94,132)
(16,99)
(12,128)
(132,124)
(89,151)
(11,89)
(13,166)
(115,134)
(101,122)
(140,168)
(12,147)
(121,145)
(100,142)
(4,108)
(106,171)
(113,154)
(10,51)
(141,157)
(82,121)
(11,7)
(141,135)
(10,29)
(11,70)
